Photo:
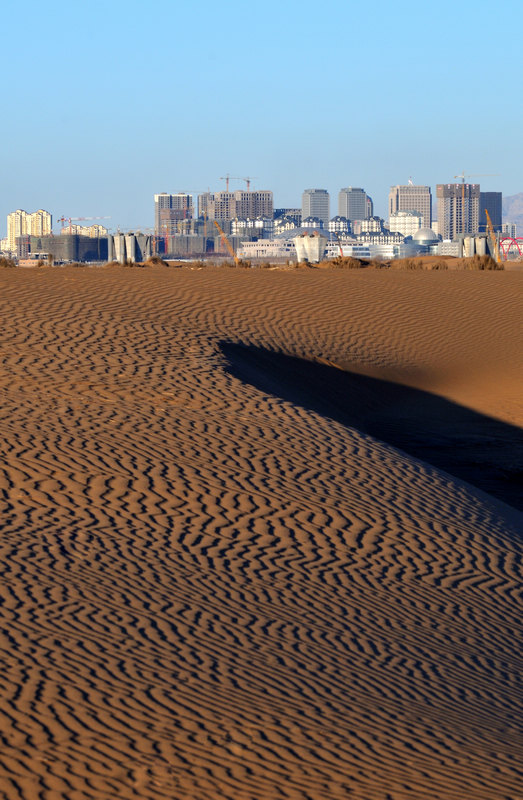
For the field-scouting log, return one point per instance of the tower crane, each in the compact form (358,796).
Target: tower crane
(247,180)
(69,220)
(228,178)
(463,176)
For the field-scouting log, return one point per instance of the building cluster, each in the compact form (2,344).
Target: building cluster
(247,222)
(257,230)
(21,223)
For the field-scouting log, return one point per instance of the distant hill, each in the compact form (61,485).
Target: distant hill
(513,210)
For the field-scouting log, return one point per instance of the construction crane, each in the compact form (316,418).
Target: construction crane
(485,175)
(69,220)
(227,243)
(247,180)
(228,178)
(493,238)
(463,176)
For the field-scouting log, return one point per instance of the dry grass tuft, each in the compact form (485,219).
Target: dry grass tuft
(155,261)
(346,262)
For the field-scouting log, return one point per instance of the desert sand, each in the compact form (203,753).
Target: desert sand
(261,534)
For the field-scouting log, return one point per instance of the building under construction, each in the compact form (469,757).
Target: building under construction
(458,209)
(235,205)
(69,248)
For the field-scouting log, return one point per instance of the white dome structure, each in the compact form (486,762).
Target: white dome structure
(425,236)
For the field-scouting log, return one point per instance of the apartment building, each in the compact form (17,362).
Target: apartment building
(412,198)
(22,223)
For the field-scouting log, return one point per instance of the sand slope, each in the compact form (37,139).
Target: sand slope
(215,586)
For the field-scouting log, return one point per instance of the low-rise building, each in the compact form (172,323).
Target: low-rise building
(405,222)
(370,225)
(268,249)
(339,225)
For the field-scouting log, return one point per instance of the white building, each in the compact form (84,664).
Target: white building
(360,249)
(405,222)
(370,225)
(339,225)
(262,227)
(313,222)
(267,249)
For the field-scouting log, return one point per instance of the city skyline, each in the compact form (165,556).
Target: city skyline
(171,209)
(319,123)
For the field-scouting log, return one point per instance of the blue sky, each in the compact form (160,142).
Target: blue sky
(106,103)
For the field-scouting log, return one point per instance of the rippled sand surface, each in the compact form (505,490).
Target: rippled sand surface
(261,535)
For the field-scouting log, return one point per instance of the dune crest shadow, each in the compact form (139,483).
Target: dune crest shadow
(471,446)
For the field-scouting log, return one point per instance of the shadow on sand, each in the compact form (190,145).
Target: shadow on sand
(483,451)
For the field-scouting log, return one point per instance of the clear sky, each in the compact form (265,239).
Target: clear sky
(107,102)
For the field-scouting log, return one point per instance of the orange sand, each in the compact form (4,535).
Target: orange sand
(232,574)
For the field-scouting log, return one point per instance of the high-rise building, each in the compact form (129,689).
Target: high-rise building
(236,205)
(492,202)
(458,209)
(20,223)
(354,204)
(169,209)
(315,203)
(412,198)
(252,205)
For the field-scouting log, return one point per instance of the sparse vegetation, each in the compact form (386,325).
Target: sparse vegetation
(155,261)
(408,263)
(346,262)
(6,263)
(478,262)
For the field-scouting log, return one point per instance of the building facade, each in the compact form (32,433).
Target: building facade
(169,209)
(458,209)
(509,229)
(369,225)
(93,231)
(354,204)
(405,222)
(339,225)
(491,202)
(70,248)
(236,205)
(315,203)
(293,214)
(412,198)
(20,223)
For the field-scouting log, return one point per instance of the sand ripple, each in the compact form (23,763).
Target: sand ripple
(212,591)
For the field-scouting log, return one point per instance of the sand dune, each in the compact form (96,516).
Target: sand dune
(240,560)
